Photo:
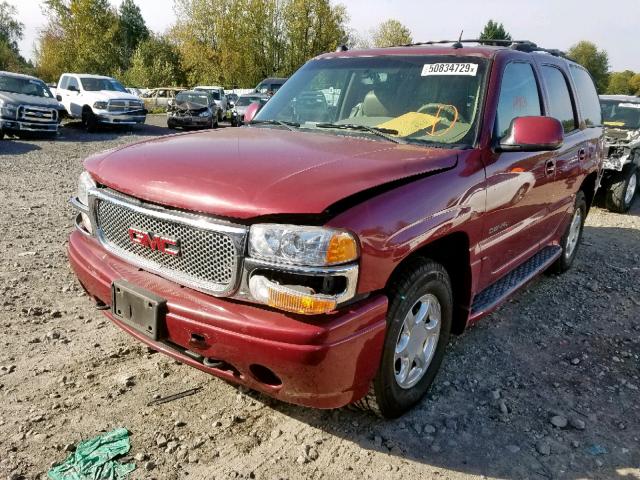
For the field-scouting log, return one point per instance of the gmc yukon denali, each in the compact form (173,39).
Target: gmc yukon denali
(380,201)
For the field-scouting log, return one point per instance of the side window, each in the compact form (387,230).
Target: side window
(560,105)
(73,82)
(587,96)
(64,81)
(519,96)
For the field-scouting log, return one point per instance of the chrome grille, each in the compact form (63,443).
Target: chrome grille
(124,105)
(37,114)
(210,253)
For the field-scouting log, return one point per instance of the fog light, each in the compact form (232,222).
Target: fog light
(290,299)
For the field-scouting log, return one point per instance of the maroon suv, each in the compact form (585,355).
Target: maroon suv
(382,200)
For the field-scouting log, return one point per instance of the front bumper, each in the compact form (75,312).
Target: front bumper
(127,118)
(22,126)
(324,362)
(189,121)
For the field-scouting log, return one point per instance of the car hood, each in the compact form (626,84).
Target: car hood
(248,172)
(20,98)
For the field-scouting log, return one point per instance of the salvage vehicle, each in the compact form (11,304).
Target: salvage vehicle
(621,115)
(270,85)
(219,96)
(97,100)
(192,109)
(160,98)
(26,106)
(243,102)
(324,253)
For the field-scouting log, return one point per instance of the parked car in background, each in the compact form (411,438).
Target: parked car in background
(621,116)
(219,96)
(98,100)
(134,91)
(160,98)
(232,98)
(325,253)
(26,105)
(237,114)
(270,85)
(193,109)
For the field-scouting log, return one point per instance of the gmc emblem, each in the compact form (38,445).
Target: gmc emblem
(165,245)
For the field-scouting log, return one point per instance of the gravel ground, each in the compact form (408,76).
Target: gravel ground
(546,387)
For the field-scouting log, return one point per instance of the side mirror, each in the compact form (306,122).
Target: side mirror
(532,134)
(72,88)
(251,111)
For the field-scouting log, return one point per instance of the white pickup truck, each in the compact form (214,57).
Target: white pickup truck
(98,100)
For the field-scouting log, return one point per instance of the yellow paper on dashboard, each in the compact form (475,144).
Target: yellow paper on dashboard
(614,124)
(410,122)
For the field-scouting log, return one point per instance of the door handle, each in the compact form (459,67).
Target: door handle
(550,167)
(582,154)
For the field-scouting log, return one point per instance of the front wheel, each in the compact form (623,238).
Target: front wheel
(418,328)
(619,195)
(89,121)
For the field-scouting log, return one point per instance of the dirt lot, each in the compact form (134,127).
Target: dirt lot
(567,349)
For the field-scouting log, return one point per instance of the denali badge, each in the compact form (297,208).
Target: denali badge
(153,242)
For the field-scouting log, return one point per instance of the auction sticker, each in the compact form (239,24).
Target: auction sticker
(450,69)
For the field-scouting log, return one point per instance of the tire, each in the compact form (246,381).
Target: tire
(1,134)
(570,242)
(622,189)
(420,283)
(89,122)
(215,123)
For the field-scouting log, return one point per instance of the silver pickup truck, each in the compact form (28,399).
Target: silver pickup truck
(26,105)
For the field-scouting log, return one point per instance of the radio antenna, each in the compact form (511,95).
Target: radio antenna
(458,44)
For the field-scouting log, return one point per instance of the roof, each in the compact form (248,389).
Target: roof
(622,98)
(19,75)
(255,94)
(274,79)
(89,75)
(209,87)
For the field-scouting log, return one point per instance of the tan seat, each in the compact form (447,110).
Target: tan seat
(373,107)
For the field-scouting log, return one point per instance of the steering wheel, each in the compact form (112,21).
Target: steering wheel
(446,116)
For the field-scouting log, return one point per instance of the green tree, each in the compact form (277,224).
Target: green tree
(594,60)
(494,31)
(81,36)
(634,83)
(155,63)
(10,32)
(620,83)
(391,33)
(133,28)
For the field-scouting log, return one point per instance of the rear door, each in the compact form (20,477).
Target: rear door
(561,104)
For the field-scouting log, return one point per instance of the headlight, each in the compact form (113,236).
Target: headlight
(100,105)
(206,113)
(85,183)
(8,110)
(308,246)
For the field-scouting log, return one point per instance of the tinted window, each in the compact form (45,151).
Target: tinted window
(560,105)
(518,96)
(587,96)
(73,82)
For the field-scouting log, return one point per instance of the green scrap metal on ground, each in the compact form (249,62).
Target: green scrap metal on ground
(94,459)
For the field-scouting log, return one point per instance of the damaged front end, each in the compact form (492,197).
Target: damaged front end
(621,147)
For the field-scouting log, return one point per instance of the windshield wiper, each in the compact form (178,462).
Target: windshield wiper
(288,125)
(385,133)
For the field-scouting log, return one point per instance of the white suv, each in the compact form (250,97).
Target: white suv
(99,100)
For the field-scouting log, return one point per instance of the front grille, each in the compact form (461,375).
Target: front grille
(37,114)
(124,105)
(209,256)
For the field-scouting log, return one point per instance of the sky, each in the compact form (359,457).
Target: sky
(549,23)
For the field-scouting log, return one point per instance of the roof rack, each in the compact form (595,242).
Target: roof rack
(520,45)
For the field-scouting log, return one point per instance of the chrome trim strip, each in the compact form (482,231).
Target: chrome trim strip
(78,205)
(237,233)
(79,227)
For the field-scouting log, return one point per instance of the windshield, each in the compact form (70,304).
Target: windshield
(25,86)
(418,99)
(97,84)
(213,92)
(620,114)
(200,99)
(245,101)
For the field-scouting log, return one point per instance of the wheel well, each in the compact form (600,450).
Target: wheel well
(589,188)
(452,252)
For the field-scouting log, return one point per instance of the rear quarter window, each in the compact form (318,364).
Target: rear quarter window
(587,96)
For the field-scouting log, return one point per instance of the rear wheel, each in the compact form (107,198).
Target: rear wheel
(572,236)
(622,190)
(1,134)
(418,328)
